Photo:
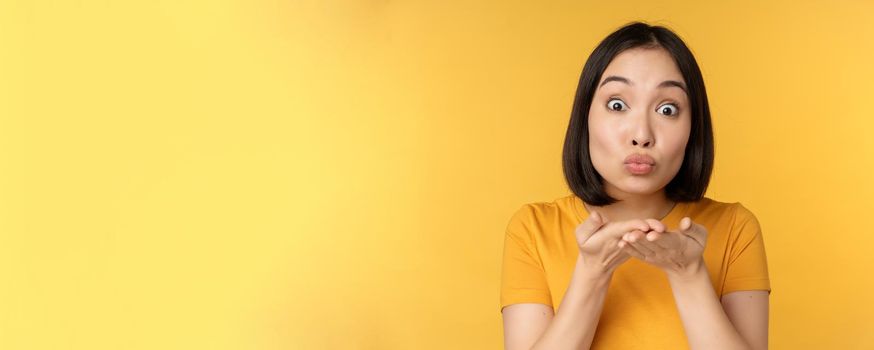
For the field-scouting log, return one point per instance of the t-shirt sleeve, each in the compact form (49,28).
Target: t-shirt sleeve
(748,264)
(523,278)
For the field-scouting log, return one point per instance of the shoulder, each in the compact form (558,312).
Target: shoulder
(537,215)
(561,206)
(742,214)
(710,208)
(745,223)
(731,222)
(731,219)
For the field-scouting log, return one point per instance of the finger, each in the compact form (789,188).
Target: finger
(636,241)
(618,257)
(630,250)
(641,238)
(656,225)
(700,230)
(693,230)
(633,236)
(614,254)
(659,243)
(661,240)
(653,249)
(667,240)
(685,223)
(630,225)
(590,226)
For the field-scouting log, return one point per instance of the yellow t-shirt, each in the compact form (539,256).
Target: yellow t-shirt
(540,252)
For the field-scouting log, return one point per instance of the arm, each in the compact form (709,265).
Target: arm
(748,312)
(533,326)
(574,325)
(707,324)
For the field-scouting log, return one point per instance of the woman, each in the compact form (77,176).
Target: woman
(637,257)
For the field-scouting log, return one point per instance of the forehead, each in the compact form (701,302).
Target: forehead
(645,66)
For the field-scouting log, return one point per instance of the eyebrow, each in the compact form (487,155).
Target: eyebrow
(665,83)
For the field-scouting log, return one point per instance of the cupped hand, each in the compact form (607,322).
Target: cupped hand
(598,241)
(674,251)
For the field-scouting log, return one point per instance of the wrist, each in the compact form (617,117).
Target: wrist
(593,272)
(688,272)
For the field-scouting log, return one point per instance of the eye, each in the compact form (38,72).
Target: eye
(669,109)
(616,104)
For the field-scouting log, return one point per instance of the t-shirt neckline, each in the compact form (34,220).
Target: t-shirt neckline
(672,218)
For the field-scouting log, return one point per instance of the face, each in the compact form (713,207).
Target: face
(639,107)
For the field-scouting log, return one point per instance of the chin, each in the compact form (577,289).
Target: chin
(639,185)
(640,191)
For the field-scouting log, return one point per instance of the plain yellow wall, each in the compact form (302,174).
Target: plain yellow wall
(338,174)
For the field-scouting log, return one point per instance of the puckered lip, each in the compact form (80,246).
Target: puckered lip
(639,158)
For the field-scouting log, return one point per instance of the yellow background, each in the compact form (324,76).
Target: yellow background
(338,174)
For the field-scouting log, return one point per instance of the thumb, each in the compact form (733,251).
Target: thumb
(685,223)
(693,230)
(590,225)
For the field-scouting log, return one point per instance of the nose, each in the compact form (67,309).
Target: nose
(642,135)
(642,142)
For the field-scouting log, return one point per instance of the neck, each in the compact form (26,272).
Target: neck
(635,206)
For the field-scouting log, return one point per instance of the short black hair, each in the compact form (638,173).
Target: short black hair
(692,179)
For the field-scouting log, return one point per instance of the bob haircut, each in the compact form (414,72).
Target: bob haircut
(692,179)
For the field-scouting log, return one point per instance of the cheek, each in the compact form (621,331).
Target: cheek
(676,148)
(601,139)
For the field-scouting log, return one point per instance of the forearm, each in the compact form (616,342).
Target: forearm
(705,321)
(574,324)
